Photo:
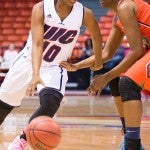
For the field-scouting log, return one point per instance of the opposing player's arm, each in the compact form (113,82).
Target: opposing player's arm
(37,31)
(133,35)
(110,48)
(113,42)
(91,25)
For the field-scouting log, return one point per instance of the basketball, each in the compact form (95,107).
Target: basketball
(43,133)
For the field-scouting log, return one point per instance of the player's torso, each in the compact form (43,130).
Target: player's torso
(60,36)
(143,17)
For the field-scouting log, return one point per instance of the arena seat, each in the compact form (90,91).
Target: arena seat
(15,21)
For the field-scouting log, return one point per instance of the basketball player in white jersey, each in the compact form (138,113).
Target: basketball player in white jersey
(55,26)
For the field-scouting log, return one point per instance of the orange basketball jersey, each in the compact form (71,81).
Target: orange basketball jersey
(140,71)
(143,17)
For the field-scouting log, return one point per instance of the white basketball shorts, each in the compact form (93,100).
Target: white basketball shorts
(14,86)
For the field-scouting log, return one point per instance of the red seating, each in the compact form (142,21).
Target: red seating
(26,12)
(82,38)
(21,31)
(8,31)
(105,31)
(8,19)
(18,25)
(7,25)
(105,19)
(110,13)
(13,38)
(19,44)
(13,12)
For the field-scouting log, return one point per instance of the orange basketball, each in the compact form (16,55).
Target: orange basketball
(43,133)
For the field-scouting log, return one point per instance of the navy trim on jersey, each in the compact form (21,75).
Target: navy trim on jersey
(83,14)
(61,78)
(18,58)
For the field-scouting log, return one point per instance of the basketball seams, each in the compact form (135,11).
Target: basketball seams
(47,132)
(33,138)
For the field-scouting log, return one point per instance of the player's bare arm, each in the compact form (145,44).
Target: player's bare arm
(88,62)
(133,35)
(37,46)
(132,32)
(107,53)
(112,43)
(91,25)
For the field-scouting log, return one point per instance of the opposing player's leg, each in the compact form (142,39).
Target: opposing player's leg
(55,79)
(13,88)
(114,89)
(130,87)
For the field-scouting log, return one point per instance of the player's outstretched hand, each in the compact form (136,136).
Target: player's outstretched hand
(32,85)
(97,85)
(94,68)
(68,66)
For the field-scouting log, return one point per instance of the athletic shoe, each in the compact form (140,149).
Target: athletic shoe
(122,146)
(18,144)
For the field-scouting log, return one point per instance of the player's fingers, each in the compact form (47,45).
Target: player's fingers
(32,90)
(28,91)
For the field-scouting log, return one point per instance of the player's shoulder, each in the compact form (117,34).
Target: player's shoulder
(38,5)
(126,5)
(38,9)
(88,13)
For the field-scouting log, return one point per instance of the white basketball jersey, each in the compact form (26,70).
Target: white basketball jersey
(60,36)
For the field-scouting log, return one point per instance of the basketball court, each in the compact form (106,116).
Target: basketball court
(87,123)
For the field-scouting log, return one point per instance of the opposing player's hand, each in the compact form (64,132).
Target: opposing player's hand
(93,67)
(32,85)
(97,85)
(68,66)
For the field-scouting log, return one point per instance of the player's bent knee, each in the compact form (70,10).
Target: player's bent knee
(129,90)
(114,87)
(5,109)
(49,103)
(49,94)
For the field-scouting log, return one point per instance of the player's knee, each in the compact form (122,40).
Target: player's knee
(114,87)
(50,101)
(129,90)
(5,109)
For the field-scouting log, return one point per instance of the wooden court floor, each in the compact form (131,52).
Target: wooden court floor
(87,123)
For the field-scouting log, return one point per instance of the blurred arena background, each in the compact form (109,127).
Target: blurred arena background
(87,123)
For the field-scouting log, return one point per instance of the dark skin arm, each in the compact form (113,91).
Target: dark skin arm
(133,35)
(107,53)
(91,25)
(95,61)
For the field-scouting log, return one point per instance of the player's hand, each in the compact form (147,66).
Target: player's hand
(97,85)
(94,67)
(68,66)
(32,85)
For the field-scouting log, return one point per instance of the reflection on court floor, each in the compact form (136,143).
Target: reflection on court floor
(87,123)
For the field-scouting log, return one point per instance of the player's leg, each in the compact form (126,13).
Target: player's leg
(130,88)
(13,88)
(132,106)
(114,89)
(55,79)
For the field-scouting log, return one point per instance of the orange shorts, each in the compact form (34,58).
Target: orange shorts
(140,72)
